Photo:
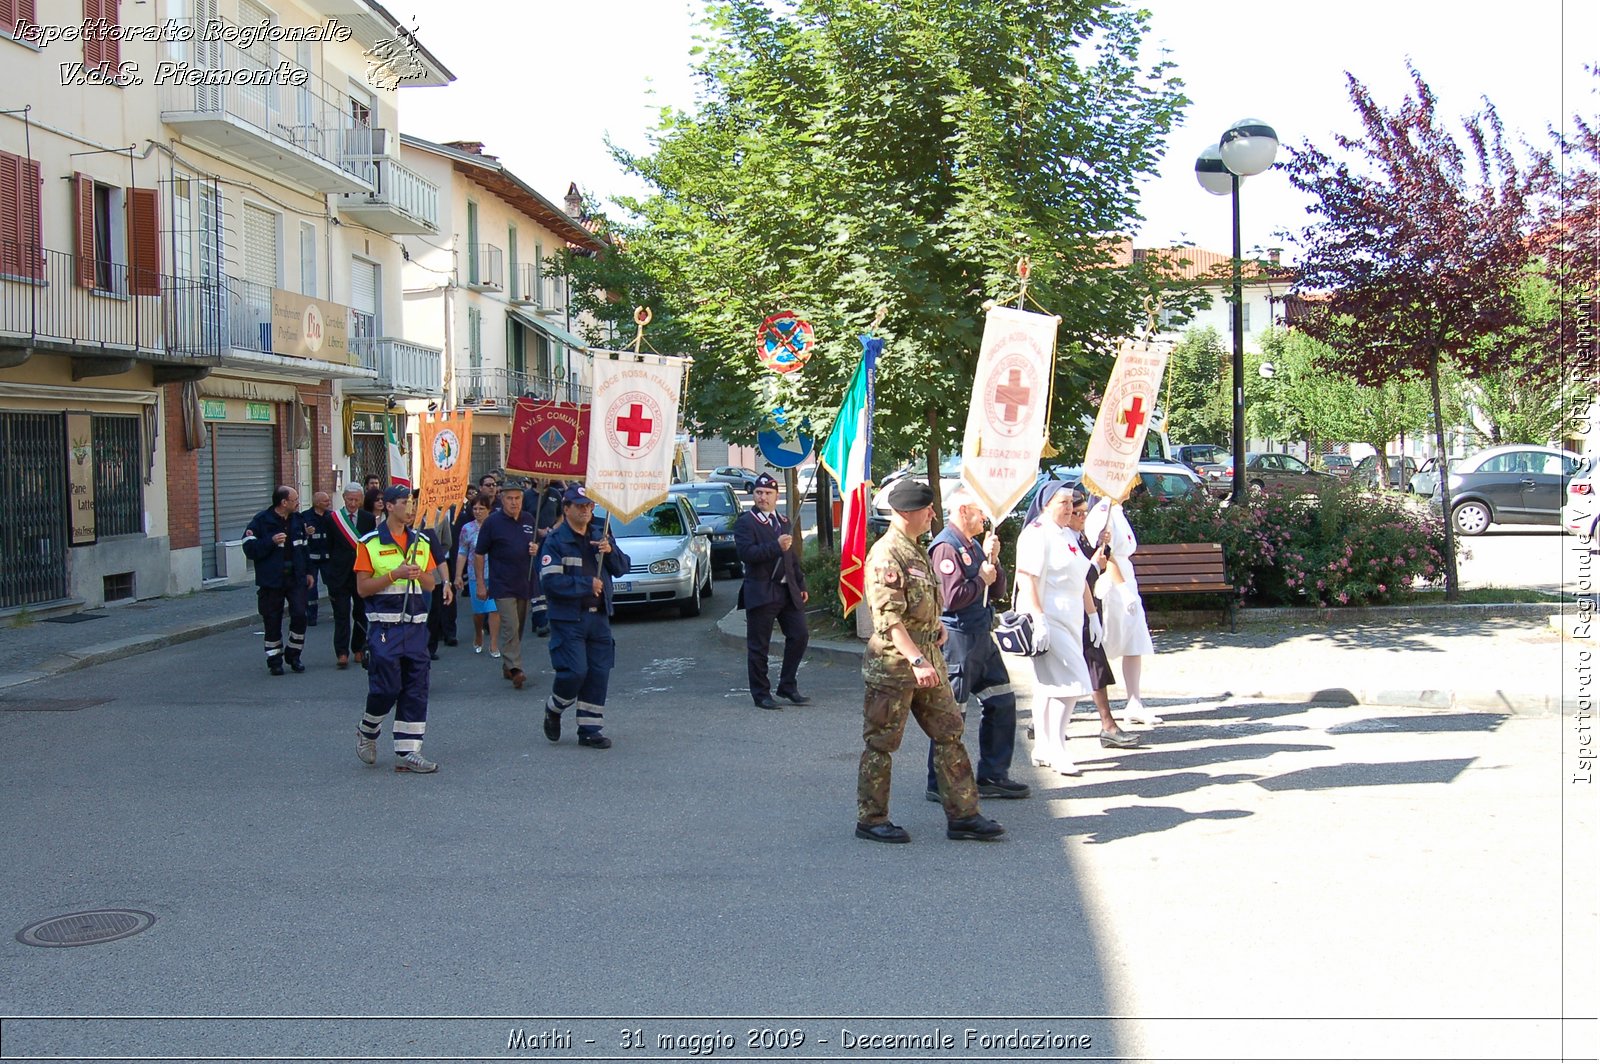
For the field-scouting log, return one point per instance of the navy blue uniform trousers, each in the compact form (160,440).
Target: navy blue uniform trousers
(397,679)
(582,652)
(976,668)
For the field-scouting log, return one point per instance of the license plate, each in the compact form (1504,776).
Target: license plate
(622,585)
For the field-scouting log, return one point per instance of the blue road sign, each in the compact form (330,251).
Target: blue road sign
(787,445)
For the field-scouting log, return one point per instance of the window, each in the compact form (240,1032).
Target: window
(472,242)
(102,49)
(1293,465)
(118,477)
(1246,314)
(364,289)
(538,275)
(14,11)
(117,237)
(511,250)
(20,255)
(308,258)
(475,338)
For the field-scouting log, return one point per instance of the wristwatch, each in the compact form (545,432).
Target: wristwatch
(918,662)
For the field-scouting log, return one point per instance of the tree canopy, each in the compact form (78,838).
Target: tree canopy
(851,154)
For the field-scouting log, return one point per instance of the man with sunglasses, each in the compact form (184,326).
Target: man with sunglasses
(971,578)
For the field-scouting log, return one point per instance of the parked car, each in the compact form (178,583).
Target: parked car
(1426,478)
(1340,465)
(1161,480)
(1270,471)
(1579,512)
(1196,455)
(716,508)
(670,556)
(740,477)
(806,483)
(949,477)
(1401,470)
(1520,484)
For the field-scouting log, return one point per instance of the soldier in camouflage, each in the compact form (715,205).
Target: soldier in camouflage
(905,673)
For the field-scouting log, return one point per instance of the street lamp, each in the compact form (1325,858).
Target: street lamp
(1246,149)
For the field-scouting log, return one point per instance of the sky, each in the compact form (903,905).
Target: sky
(546,92)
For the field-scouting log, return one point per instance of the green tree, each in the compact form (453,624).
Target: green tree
(1519,399)
(848,155)
(1196,401)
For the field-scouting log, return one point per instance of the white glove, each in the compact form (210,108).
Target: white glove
(1041,634)
(1097,634)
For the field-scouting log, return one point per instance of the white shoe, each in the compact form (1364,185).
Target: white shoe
(1136,713)
(1066,766)
(415,762)
(494,653)
(366,749)
(478,649)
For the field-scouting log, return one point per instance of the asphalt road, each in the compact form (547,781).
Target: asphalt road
(1421,881)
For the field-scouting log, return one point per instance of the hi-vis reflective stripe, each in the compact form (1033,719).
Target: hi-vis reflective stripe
(548,569)
(572,559)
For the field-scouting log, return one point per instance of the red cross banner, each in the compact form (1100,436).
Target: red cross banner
(633,426)
(1010,401)
(1111,465)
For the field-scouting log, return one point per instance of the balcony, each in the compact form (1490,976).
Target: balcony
(301,133)
(527,286)
(403,368)
(168,320)
(496,390)
(486,268)
(401,200)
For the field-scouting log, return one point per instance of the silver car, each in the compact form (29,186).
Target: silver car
(670,556)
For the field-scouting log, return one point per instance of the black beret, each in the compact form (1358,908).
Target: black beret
(906,495)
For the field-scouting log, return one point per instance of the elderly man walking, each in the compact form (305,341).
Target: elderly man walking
(346,526)
(509,540)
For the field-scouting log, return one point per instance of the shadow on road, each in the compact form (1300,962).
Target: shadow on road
(1130,821)
(1380,774)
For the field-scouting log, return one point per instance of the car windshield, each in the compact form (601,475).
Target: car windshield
(710,501)
(1167,485)
(662,520)
(950,468)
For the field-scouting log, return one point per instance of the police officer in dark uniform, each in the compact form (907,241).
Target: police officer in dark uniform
(316,520)
(276,541)
(576,565)
(546,516)
(971,578)
(774,589)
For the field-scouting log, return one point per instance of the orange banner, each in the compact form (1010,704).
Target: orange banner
(444,461)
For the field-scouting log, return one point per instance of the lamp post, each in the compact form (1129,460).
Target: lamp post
(1247,148)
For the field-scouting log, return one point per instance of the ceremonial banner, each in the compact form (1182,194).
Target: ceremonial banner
(1010,400)
(847,455)
(444,461)
(1111,465)
(549,440)
(633,425)
(399,461)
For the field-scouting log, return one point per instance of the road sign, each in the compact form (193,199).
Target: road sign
(786,445)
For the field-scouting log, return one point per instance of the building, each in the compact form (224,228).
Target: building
(181,319)
(488,290)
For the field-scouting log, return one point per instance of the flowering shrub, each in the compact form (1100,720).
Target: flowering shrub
(1343,547)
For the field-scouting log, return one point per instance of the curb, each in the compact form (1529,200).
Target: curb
(1516,703)
(116,649)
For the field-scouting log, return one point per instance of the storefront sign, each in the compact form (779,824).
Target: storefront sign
(363,423)
(258,411)
(214,409)
(80,477)
(310,328)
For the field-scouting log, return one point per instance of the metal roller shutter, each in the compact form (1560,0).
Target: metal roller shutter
(236,482)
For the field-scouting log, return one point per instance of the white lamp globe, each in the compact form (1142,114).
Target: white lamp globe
(1211,173)
(1249,147)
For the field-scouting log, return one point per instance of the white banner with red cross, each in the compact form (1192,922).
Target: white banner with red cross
(1111,465)
(633,424)
(1010,402)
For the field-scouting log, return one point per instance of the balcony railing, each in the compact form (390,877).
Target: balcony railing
(403,367)
(252,120)
(528,279)
(502,387)
(402,201)
(486,267)
(169,319)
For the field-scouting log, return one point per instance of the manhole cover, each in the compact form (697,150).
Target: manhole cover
(85,928)
(48,705)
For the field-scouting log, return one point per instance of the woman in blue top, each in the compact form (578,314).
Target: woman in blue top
(484,613)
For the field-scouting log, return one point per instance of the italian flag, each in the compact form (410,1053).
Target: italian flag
(847,455)
(399,465)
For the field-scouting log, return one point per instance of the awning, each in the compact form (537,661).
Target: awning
(555,332)
(293,368)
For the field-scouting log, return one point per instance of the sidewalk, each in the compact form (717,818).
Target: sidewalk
(1499,659)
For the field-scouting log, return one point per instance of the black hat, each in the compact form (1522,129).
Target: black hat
(396,493)
(907,495)
(575,493)
(766,480)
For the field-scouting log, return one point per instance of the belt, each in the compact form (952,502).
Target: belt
(591,609)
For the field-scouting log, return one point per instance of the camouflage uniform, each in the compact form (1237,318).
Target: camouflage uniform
(901,589)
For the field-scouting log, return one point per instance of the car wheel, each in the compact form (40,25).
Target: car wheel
(690,607)
(749,487)
(1472,518)
(711,581)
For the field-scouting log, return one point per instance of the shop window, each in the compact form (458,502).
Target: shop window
(118,477)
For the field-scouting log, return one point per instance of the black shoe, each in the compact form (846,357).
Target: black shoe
(1002,788)
(451,642)
(973,827)
(275,667)
(296,666)
(1119,738)
(766,702)
(542,631)
(594,739)
(885,832)
(552,725)
(433,654)
(932,794)
(796,697)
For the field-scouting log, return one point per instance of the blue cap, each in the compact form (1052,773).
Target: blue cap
(766,480)
(575,493)
(396,493)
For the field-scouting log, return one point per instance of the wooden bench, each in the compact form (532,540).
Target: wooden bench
(1185,569)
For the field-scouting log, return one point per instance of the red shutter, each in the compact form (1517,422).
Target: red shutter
(144,241)
(93,44)
(32,182)
(11,167)
(8,15)
(83,229)
(111,49)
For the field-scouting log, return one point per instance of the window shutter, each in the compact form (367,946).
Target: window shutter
(8,15)
(111,46)
(144,241)
(11,167)
(93,39)
(30,254)
(83,229)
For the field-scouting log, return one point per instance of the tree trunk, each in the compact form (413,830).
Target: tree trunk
(791,488)
(1381,461)
(933,463)
(822,484)
(1452,584)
